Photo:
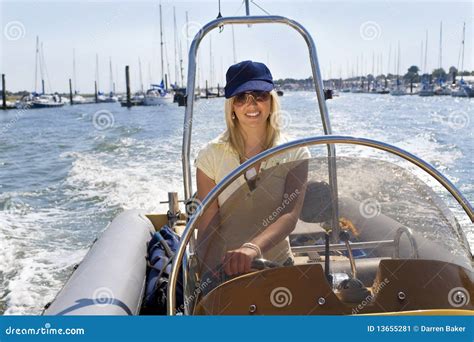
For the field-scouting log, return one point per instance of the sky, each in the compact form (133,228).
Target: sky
(350,37)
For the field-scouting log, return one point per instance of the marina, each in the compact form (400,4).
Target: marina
(102,214)
(57,182)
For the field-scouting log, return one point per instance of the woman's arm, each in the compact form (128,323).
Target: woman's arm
(239,260)
(210,216)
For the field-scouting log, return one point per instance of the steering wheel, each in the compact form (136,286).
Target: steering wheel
(217,276)
(220,276)
(262,264)
(396,240)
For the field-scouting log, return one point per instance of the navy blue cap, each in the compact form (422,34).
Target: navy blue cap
(247,76)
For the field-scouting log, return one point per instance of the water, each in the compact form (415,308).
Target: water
(65,173)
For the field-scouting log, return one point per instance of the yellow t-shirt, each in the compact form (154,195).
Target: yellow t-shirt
(217,159)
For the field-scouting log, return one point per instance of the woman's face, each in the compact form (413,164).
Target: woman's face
(252,109)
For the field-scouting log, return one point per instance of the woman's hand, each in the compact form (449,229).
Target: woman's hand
(239,260)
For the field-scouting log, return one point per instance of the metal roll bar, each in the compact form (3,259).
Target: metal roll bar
(319,140)
(318,84)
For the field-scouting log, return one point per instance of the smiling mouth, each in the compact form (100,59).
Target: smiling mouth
(252,115)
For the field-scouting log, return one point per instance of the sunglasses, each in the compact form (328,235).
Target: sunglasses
(258,96)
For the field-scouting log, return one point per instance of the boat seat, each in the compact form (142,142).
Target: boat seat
(307,230)
(315,211)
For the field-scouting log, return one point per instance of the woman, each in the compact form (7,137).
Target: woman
(252,115)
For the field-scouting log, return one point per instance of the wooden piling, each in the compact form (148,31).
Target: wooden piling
(42,86)
(4,93)
(127,84)
(173,211)
(70,92)
(95,92)
(207,91)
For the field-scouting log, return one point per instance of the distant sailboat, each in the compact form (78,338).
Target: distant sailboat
(463,89)
(76,98)
(426,88)
(441,88)
(102,97)
(399,89)
(157,94)
(35,99)
(47,101)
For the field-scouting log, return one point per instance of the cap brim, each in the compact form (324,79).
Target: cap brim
(254,85)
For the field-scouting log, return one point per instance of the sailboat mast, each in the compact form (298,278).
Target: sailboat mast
(373,63)
(117,75)
(111,76)
(425,67)
(357,66)
(42,67)
(74,70)
(389,57)
(441,45)
(140,74)
(398,59)
(36,63)
(181,68)
(210,62)
(97,71)
(462,56)
(421,57)
(187,40)
(176,72)
(199,70)
(161,46)
(381,64)
(398,66)
(233,44)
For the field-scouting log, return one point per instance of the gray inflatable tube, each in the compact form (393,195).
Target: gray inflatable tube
(381,227)
(111,278)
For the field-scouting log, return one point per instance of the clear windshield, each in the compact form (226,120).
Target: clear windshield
(386,211)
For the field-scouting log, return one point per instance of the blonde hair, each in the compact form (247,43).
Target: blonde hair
(233,134)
